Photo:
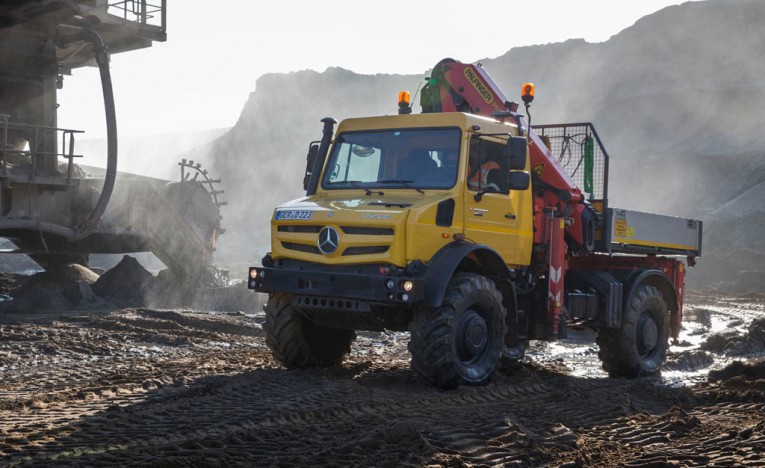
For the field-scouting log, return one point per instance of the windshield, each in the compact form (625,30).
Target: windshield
(405,158)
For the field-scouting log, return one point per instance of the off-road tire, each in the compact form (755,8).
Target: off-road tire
(461,341)
(640,346)
(295,342)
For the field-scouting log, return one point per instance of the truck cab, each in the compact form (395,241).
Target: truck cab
(398,189)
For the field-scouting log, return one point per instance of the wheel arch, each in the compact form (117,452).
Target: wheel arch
(660,281)
(472,258)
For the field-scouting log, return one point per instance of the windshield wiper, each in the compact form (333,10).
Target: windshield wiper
(357,184)
(405,183)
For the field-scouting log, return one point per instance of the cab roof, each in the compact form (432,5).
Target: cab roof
(444,119)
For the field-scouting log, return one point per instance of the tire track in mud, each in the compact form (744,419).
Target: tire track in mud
(721,422)
(79,366)
(257,414)
(217,398)
(678,437)
(229,409)
(531,427)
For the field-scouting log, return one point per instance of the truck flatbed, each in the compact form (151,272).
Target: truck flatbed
(636,232)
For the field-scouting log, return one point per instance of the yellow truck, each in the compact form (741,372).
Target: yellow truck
(458,227)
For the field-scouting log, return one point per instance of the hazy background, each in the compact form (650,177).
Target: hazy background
(677,97)
(200,77)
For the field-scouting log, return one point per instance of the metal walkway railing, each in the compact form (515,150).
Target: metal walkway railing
(141,11)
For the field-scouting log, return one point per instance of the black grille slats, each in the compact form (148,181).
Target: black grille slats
(367,231)
(371,231)
(299,228)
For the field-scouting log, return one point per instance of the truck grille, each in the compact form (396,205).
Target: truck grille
(353,230)
(308,244)
(364,250)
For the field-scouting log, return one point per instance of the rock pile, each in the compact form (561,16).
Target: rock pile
(128,284)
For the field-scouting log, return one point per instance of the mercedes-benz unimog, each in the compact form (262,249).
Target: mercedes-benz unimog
(475,232)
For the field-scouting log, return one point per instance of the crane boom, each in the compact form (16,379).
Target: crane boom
(467,87)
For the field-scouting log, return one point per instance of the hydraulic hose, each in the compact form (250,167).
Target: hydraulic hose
(102,59)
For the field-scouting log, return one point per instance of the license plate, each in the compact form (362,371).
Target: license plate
(294,214)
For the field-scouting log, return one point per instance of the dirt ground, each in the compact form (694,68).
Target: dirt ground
(151,387)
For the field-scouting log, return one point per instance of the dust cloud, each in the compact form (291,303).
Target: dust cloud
(676,99)
(148,155)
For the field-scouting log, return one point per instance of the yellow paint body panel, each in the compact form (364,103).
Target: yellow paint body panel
(399,226)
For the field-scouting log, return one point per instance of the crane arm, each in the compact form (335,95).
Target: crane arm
(467,87)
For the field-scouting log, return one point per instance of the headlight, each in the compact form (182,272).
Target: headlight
(407,285)
(253,273)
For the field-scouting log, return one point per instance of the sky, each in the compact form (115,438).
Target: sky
(202,76)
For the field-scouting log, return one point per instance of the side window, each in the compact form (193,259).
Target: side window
(486,166)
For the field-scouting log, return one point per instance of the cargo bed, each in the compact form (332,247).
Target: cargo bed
(635,232)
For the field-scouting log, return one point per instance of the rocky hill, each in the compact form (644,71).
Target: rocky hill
(677,98)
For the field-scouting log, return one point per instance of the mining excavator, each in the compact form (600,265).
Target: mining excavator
(56,210)
(475,231)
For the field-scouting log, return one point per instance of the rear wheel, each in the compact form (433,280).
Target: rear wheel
(462,340)
(640,346)
(296,342)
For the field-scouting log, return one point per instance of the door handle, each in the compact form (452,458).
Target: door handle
(510,215)
(478,211)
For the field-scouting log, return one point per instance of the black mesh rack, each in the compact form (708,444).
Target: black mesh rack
(578,148)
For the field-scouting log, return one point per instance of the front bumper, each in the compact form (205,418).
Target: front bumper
(338,284)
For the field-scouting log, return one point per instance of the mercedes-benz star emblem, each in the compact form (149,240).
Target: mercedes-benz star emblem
(329,239)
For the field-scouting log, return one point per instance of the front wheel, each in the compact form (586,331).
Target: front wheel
(296,342)
(462,340)
(640,346)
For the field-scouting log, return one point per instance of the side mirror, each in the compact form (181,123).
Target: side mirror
(519,180)
(515,152)
(310,158)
